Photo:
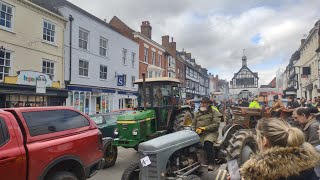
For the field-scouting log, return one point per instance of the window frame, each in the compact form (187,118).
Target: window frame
(145,55)
(52,76)
(11,28)
(160,59)
(5,59)
(52,30)
(133,79)
(6,134)
(106,73)
(124,56)
(153,58)
(84,61)
(133,56)
(102,48)
(83,40)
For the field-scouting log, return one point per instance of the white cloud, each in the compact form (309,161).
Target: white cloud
(215,32)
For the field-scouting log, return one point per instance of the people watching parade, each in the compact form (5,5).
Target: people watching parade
(254,104)
(284,154)
(206,123)
(309,124)
(277,105)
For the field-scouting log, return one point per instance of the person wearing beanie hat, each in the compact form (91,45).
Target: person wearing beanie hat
(277,105)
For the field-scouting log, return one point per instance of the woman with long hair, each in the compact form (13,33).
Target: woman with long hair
(284,154)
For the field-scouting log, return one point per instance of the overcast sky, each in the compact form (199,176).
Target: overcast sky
(216,31)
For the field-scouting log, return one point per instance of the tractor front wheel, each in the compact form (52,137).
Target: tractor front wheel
(132,172)
(182,120)
(242,145)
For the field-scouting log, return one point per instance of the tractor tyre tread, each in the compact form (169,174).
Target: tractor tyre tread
(179,120)
(128,172)
(193,177)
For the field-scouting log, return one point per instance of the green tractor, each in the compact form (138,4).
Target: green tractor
(160,111)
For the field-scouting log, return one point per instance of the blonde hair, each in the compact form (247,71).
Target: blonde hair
(279,133)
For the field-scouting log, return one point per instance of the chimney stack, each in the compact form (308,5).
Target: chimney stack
(146,29)
(188,55)
(165,41)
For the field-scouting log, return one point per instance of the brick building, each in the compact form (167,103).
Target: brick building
(152,59)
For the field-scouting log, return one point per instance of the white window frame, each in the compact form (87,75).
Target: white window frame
(145,54)
(124,56)
(103,50)
(103,72)
(83,68)
(133,56)
(160,60)
(45,31)
(153,58)
(12,16)
(150,72)
(51,69)
(4,65)
(133,79)
(81,40)
(125,80)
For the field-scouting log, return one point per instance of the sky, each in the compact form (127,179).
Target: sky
(217,31)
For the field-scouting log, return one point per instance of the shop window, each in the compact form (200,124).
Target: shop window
(48,68)
(5,64)
(4,135)
(103,47)
(83,39)
(54,121)
(49,31)
(6,15)
(103,72)
(83,68)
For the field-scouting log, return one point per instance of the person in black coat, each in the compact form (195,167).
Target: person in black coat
(284,154)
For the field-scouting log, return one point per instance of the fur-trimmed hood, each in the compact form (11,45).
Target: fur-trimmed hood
(279,162)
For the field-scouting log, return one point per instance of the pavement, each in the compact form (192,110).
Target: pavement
(125,158)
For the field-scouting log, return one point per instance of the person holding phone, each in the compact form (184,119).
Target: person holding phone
(284,154)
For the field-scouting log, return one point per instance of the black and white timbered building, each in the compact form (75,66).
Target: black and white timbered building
(245,82)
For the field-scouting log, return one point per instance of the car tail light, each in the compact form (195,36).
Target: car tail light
(100,141)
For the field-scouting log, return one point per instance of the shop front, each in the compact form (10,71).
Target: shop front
(31,89)
(91,100)
(127,99)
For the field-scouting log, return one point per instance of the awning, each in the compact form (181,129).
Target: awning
(31,90)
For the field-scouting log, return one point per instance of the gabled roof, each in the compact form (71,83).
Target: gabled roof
(245,67)
(46,5)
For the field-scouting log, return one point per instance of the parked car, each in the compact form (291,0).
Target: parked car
(48,143)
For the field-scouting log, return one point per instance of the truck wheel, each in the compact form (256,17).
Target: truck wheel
(182,120)
(132,172)
(63,175)
(110,155)
(241,146)
(225,129)
(193,177)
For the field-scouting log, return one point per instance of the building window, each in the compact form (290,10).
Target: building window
(49,31)
(133,56)
(48,68)
(153,58)
(5,64)
(150,74)
(103,72)
(133,79)
(160,60)
(169,61)
(169,74)
(124,79)
(146,54)
(83,39)
(124,56)
(103,47)
(83,68)
(6,14)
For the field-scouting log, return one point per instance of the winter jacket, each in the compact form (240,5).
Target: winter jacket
(254,104)
(311,132)
(282,163)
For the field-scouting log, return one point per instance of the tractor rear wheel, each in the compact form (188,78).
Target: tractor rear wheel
(242,146)
(182,120)
(132,172)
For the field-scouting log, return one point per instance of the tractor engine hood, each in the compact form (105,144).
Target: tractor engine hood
(137,115)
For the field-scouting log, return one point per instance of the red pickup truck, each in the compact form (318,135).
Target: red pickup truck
(48,143)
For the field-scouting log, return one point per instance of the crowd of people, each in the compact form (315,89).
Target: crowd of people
(285,151)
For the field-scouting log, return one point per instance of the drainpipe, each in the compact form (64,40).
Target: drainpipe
(70,46)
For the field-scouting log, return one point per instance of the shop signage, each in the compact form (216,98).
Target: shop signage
(121,80)
(41,86)
(33,78)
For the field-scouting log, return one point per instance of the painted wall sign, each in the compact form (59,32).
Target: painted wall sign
(31,78)
(120,81)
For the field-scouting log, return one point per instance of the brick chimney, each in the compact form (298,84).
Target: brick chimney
(146,29)
(165,42)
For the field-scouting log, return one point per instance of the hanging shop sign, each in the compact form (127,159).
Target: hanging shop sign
(33,78)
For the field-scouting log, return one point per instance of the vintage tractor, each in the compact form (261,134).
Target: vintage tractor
(180,155)
(159,112)
(245,118)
